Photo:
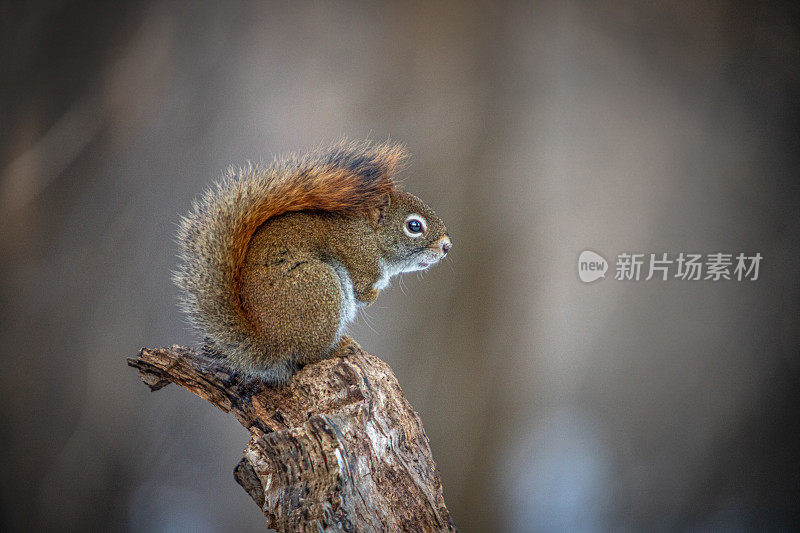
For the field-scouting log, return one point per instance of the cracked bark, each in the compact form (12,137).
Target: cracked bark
(337,449)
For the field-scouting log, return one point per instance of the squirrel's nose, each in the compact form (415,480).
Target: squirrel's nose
(446,244)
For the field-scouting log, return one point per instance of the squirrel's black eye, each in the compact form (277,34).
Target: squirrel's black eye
(415,226)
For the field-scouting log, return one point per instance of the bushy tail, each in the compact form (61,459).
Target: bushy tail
(214,236)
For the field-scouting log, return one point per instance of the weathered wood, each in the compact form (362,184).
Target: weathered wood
(337,449)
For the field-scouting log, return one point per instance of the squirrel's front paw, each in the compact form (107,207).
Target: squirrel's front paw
(346,346)
(368,296)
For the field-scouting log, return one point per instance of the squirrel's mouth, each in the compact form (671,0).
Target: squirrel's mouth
(421,262)
(424,257)
(429,258)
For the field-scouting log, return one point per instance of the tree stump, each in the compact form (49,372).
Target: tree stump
(337,449)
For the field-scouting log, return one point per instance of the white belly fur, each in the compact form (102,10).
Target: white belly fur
(349,307)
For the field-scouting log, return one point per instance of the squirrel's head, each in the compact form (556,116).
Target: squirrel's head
(411,236)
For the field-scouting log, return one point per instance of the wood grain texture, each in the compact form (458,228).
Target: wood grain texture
(337,449)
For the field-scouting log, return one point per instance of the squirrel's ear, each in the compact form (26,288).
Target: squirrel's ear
(377,215)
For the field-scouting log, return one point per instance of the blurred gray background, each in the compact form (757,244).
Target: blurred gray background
(537,130)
